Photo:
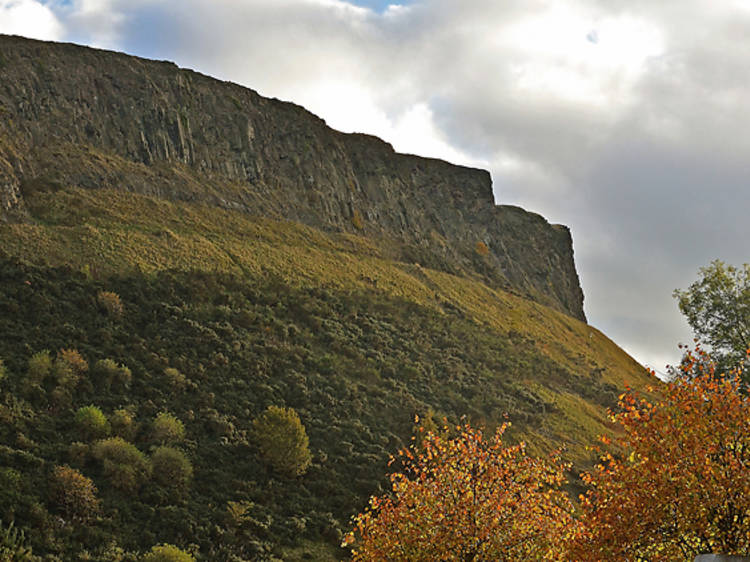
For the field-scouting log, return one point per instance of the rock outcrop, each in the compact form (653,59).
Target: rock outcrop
(75,116)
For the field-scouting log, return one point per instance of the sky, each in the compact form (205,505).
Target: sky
(628,121)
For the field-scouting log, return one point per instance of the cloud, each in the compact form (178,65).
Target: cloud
(626,120)
(30,19)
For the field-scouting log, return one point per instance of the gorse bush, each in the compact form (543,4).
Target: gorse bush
(73,493)
(171,468)
(126,467)
(92,422)
(283,441)
(123,425)
(166,428)
(110,303)
(167,553)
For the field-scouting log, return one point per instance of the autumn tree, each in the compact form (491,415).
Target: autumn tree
(677,482)
(717,307)
(282,440)
(464,497)
(73,493)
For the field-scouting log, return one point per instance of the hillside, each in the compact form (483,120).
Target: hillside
(238,294)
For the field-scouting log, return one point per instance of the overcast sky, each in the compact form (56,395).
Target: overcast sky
(626,120)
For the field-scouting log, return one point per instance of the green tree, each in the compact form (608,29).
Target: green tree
(283,440)
(166,428)
(92,422)
(125,466)
(171,468)
(717,307)
(167,553)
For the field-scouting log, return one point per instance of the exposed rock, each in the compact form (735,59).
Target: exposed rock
(78,116)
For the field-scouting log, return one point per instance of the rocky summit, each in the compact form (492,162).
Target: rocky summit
(73,116)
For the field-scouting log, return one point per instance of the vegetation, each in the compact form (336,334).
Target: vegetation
(283,441)
(227,316)
(717,307)
(462,497)
(675,484)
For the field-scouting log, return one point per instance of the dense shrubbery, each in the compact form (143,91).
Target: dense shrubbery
(283,441)
(214,351)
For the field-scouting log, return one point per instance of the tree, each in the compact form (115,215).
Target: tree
(677,483)
(73,493)
(464,497)
(171,468)
(167,553)
(283,441)
(125,466)
(92,422)
(166,428)
(717,307)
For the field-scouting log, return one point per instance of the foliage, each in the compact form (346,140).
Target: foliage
(12,545)
(167,553)
(717,307)
(74,360)
(39,366)
(126,467)
(166,428)
(123,425)
(283,441)
(73,493)
(676,483)
(462,497)
(108,372)
(110,303)
(3,370)
(171,468)
(92,422)
(481,248)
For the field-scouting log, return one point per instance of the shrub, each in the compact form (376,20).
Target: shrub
(175,378)
(482,249)
(3,370)
(357,220)
(110,303)
(13,545)
(125,466)
(166,428)
(92,422)
(171,468)
(74,360)
(282,440)
(167,553)
(108,372)
(123,425)
(39,366)
(73,493)
(78,453)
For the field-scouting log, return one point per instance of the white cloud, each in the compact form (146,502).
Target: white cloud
(29,18)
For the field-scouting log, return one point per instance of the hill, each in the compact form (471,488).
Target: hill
(359,301)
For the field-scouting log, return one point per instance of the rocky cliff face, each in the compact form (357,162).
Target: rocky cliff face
(71,115)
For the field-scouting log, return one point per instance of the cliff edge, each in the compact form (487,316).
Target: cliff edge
(76,116)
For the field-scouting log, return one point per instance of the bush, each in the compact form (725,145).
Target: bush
(282,440)
(175,378)
(167,553)
(171,468)
(73,493)
(108,372)
(125,466)
(123,425)
(74,360)
(110,303)
(39,366)
(3,370)
(92,422)
(482,249)
(166,428)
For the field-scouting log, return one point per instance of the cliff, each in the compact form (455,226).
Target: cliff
(75,116)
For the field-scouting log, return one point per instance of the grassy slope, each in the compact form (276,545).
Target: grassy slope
(393,339)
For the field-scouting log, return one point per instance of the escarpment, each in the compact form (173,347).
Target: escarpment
(75,116)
